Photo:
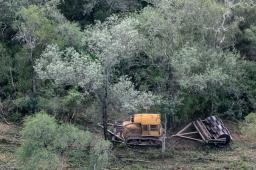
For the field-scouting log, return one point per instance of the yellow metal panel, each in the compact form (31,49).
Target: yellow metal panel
(154,133)
(151,133)
(147,119)
(145,133)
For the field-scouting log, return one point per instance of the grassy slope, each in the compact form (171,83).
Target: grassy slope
(237,156)
(181,154)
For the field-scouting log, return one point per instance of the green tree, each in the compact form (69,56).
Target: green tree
(249,125)
(109,42)
(166,29)
(36,26)
(207,73)
(48,145)
(99,157)
(138,54)
(38,136)
(246,10)
(88,11)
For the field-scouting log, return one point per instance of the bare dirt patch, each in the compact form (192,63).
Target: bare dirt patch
(185,155)
(9,141)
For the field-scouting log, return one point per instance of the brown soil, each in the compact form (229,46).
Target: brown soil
(185,155)
(180,154)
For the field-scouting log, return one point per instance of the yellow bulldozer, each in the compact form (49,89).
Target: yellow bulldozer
(142,129)
(145,129)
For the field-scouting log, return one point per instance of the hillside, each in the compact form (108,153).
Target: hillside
(180,154)
(70,65)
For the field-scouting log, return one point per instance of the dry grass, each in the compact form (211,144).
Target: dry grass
(4,128)
(186,155)
(8,143)
(237,156)
(180,155)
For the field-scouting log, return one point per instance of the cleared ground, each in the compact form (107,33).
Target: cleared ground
(9,141)
(180,154)
(184,154)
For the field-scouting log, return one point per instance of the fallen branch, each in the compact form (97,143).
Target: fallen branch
(135,160)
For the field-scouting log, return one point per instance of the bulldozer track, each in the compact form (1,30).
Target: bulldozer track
(143,141)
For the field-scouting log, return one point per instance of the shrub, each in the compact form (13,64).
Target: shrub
(48,145)
(249,125)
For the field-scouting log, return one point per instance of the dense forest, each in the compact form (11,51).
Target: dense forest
(67,65)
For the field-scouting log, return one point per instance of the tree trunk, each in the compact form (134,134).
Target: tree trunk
(12,81)
(105,106)
(168,121)
(164,136)
(33,78)
(104,115)
(33,72)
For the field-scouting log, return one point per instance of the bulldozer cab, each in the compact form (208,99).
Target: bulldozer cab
(150,124)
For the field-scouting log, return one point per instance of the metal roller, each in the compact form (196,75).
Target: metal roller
(218,130)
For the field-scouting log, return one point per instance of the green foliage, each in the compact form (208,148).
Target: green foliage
(246,40)
(88,11)
(38,136)
(179,50)
(114,40)
(250,77)
(72,68)
(74,102)
(128,100)
(100,155)
(249,125)
(47,145)
(34,28)
(76,10)
(246,9)
(22,71)
(240,165)
(74,98)
(5,69)
(174,23)
(31,26)
(41,159)
(40,130)
(69,67)
(176,57)
(202,70)
(73,143)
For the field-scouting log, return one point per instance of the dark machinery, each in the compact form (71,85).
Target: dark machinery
(209,131)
